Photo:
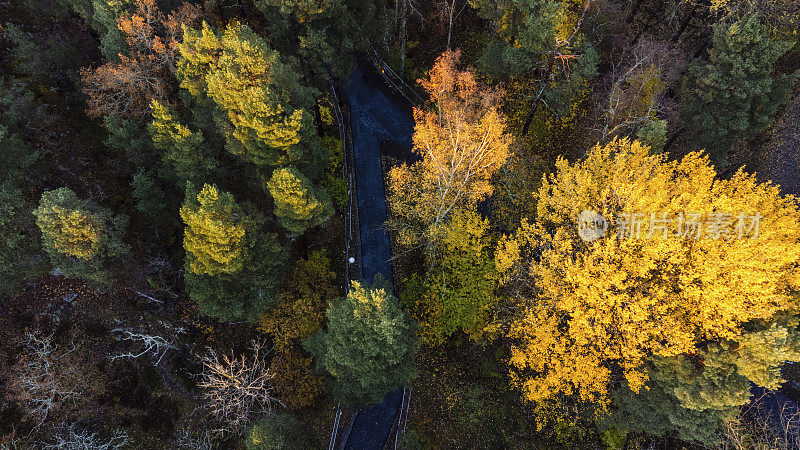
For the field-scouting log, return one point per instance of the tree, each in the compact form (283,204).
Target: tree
(82,238)
(462,144)
(295,380)
(150,198)
(267,108)
(126,87)
(233,265)
(694,396)
(278,432)
(21,259)
(184,150)
(719,255)
(734,94)
(368,347)
(459,292)
(215,232)
(639,81)
(49,381)
(297,204)
(539,40)
(299,314)
(235,389)
(301,311)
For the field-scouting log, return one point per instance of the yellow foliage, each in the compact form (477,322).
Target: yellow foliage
(214,236)
(462,144)
(591,307)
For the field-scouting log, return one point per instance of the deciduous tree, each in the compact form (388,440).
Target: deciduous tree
(462,143)
(126,87)
(460,290)
(593,309)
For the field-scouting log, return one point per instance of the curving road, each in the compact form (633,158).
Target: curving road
(373,120)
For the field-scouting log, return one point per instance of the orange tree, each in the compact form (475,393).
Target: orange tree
(462,142)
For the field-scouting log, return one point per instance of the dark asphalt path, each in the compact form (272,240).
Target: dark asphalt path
(373,120)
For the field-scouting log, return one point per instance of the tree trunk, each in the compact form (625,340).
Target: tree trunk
(685,24)
(450,26)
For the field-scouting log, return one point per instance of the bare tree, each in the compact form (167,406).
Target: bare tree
(403,9)
(763,429)
(35,382)
(638,82)
(237,388)
(72,437)
(146,345)
(449,9)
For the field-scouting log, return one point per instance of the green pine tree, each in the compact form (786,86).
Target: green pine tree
(268,110)
(369,345)
(734,94)
(298,204)
(184,151)
(83,239)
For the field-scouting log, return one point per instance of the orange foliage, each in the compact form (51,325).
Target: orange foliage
(127,87)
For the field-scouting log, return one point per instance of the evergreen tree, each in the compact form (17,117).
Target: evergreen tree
(21,259)
(82,238)
(268,110)
(233,265)
(298,204)
(184,151)
(215,232)
(150,198)
(734,94)
(368,347)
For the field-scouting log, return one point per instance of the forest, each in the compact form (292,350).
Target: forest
(374,224)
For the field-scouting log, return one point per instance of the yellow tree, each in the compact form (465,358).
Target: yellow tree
(686,259)
(462,143)
(215,232)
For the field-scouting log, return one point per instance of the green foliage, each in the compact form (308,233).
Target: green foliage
(654,135)
(184,151)
(49,55)
(529,31)
(233,265)
(102,16)
(215,232)
(128,138)
(694,396)
(278,432)
(297,204)
(267,107)
(20,255)
(734,94)
(368,347)
(459,292)
(81,237)
(19,160)
(150,198)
